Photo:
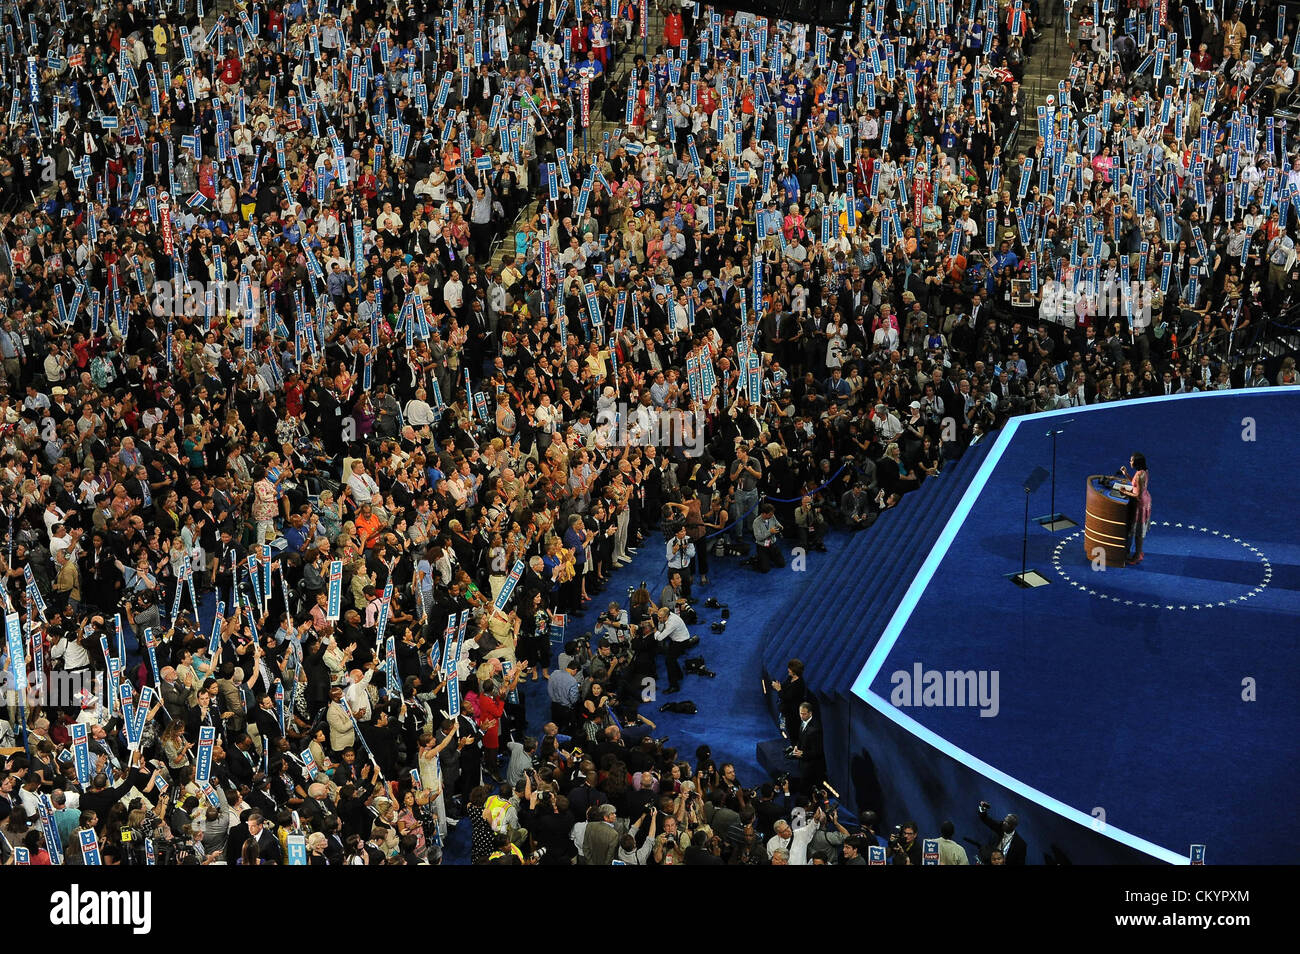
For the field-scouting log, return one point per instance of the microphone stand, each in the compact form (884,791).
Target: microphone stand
(1055,521)
(1026,578)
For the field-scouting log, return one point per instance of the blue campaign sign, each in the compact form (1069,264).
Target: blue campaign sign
(390,666)
(266,574)
(506,668)
(127,697)
(81,752)
(151,644)
(141,714)
(453,698)
(1196,855)
(296,846)
(53,844)
(930,851)
(214,641)
(17,654)
(335,590)
(448,643)
(203,762)
(89,846)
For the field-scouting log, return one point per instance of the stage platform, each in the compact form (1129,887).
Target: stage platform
(1138,710)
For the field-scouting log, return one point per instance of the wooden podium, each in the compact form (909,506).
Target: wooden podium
(1106,521)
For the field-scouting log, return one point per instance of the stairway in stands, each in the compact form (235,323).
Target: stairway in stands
(505,245)
(1048,64)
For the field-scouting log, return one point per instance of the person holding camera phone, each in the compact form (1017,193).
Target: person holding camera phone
(1005,841)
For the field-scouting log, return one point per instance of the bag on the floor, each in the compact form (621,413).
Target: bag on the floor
(685,707)
(696,666)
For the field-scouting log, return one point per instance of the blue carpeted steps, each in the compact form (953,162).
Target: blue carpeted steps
(832,623)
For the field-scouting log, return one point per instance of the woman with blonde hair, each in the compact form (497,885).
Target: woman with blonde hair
(499,564)
(175,746)
(383,834)
(316,843)
(329,515)
(893,473)
(654,248)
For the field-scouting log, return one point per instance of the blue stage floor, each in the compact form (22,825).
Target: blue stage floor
(1163,699)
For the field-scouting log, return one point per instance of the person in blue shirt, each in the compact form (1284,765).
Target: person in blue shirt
(790,183)
(592,69)
(1005,261)
(792,102)
(298,534)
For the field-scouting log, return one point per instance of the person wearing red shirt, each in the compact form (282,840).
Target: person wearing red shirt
(34,842)
(207,175)
(491,707)
(577,42)
(231,69)
(708,99)
(673,31)
(293,392)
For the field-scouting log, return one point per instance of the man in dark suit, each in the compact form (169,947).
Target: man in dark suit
(239,760)
(809,750)
(176,696)
(268,846)
(1006,839)
(701,852)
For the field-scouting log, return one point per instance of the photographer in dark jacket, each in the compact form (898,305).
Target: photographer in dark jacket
(904,846)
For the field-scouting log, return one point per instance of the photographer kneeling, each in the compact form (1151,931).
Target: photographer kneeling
(811,525)
(674,639)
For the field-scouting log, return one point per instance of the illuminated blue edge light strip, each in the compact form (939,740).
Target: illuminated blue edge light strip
(894,629)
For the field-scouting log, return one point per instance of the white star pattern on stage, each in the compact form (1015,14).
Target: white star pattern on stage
(1253,591)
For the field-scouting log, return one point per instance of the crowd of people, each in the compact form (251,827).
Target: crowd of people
(349,349)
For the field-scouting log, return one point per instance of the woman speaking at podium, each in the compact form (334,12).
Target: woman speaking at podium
(1139,514)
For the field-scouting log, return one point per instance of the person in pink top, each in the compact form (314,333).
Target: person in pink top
(1139,513)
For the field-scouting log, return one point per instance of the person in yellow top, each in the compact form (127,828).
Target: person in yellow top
(500,853)
(162,36)
(596,362)
(505,630)
(1234,35)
